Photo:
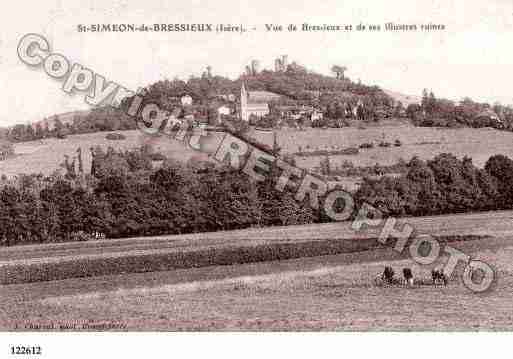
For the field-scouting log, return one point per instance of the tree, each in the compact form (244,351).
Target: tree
(501,168)
(18,133)
(455,180)
(414,112)
(113,164)
(325,165)
(279,208)
(339,71)
(57,125)
(59,129)
(30,134)
(399,110)
(6,149)
(46,129)
(39,133)
(425,98)
(80,161)
(429,102)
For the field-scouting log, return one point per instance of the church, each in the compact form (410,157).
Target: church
(251,105)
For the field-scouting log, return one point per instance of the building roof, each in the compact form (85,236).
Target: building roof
(298,108)
(262,96)
(257,106)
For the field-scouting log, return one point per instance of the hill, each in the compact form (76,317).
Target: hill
(65,118)
(424,142)
(404,99)
(46,155)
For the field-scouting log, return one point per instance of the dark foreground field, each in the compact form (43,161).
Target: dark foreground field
(320,293)
(333,292)
(35,263)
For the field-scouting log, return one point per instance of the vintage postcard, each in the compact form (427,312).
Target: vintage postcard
(257,166)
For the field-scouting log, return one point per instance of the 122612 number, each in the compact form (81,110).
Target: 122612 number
(26,350)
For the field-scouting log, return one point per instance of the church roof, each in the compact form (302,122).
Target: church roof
(257,106)
(262,96)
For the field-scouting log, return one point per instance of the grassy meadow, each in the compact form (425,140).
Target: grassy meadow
(46,155)
(320,293)
(424,142)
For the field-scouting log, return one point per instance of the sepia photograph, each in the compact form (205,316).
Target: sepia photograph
(238,166)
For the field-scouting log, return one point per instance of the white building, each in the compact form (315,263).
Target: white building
(223,110)
(316,115)
(186,100)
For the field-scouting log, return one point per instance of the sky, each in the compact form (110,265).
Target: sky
(472,57)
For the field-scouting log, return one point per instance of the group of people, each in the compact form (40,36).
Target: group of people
(388,277)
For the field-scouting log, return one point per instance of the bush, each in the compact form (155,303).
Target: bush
(236,127)
(440,186)
(170,259)
(319,152)
(349,151)
(347,164)
(81,236)
(126,197)
(61,135)
(157,157)
(115,136)
(367,145)
(6,150)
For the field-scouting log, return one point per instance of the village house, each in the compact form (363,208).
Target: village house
(227,97)
(223,110)
(316,115)
(296,112)
(186,100)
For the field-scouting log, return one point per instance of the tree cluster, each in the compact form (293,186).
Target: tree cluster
(433,111)
(124,196)
(442,185)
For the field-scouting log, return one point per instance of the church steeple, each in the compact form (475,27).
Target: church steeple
(243,92)
(244,103)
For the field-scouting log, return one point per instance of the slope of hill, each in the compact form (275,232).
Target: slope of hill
(404,99)
(424,142)
(66,117)
(46,155)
